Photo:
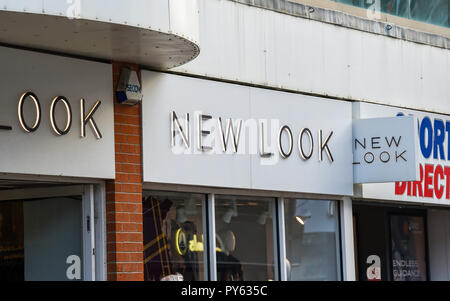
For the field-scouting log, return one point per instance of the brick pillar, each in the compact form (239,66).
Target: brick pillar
(124,194)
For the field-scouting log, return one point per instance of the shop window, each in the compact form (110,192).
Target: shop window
(247,245)
(245,239)
(392,240)
(41,239)
(408,249)
(174,243)
(312,240)
(11,241)
(433,12)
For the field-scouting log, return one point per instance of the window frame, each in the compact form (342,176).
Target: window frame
(209,226)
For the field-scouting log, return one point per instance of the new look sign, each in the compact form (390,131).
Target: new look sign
(209,133)
(56,116)
(384,150)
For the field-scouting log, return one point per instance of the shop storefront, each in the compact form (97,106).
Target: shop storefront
(401,229)
(57,148)
(242,183)
(160,141)
(235,182)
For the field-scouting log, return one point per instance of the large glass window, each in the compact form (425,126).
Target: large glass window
(312,240)
(245,239)
(41,239)
(429,11)
(173,236)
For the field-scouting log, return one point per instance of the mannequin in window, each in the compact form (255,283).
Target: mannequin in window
(228,267)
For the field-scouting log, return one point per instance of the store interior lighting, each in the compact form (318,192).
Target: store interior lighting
(302,213)
(300,220)
(331,208)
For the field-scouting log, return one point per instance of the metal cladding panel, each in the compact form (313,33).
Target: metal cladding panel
(432,76)
(183,18)
(153,14)
(26,6)
(356,57)
(335,56)
(160,34)
(142,12)
(43,151)
(167,158)
(248,44)
(373,67)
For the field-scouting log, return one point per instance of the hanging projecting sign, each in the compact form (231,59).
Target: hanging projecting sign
(208,133)
(56,116)
(433,154)
(384,150)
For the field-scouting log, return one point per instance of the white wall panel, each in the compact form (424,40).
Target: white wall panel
(183,17)
(431,77)
(335,58)
(248,44)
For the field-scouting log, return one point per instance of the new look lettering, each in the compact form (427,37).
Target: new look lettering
(323,144)
(382,149)
(217,134)
(55,127)
(36,113)
(20,113)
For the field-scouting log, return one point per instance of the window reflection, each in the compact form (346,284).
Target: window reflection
(433,12)
(244,239)
(38,236)
(11,241)
(312,240)
(173,236)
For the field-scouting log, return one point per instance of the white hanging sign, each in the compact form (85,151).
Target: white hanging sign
(384,150)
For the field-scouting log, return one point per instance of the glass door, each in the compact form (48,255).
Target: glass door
(47,234)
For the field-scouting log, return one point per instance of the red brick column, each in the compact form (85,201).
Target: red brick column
(124,194)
